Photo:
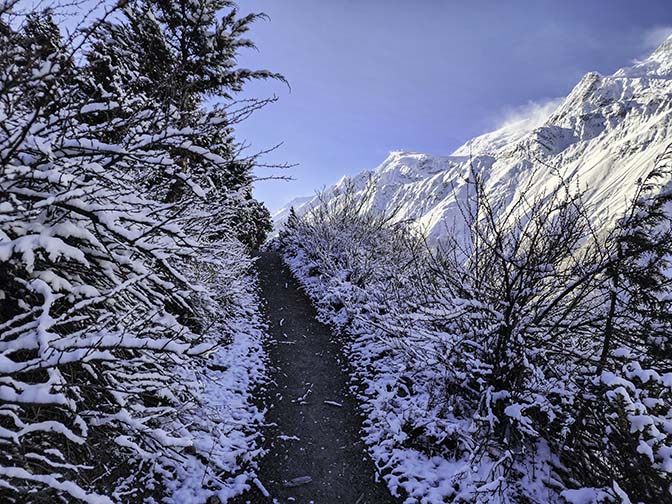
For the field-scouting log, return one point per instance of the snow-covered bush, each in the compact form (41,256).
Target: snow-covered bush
(521,351)
(121,273)
(622,429)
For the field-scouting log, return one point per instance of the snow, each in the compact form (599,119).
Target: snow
(228,416)
(280,216)
(379,375)
(585,496)
(604,136)
(602,139)
(129,323)
(333,403)
(54,482)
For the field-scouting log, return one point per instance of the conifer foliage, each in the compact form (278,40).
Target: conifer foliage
(122,198)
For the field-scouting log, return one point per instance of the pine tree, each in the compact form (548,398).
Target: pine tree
(179,54)
(289,228)
(106,283)
(626,438)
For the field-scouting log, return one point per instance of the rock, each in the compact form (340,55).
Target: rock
(301,480)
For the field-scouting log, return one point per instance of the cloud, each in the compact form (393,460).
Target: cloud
(528,116)
(653,37)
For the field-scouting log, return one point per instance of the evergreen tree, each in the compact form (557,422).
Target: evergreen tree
(179,54)
(289,228)
(107,305)
(626,439)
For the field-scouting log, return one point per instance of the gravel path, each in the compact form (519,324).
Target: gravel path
(316,454)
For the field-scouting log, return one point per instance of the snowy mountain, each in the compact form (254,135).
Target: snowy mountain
(281,215)
(604,136)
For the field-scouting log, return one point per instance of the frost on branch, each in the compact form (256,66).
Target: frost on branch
(525,359)
(113,235)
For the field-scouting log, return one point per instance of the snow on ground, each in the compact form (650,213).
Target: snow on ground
(229,421)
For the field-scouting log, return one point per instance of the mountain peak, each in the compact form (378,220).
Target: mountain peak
(657,65)
(605,135)
(663,51)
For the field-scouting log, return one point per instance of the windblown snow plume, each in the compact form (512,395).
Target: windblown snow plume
(603,137)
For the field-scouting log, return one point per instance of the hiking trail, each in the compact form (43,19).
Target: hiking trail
(316,452)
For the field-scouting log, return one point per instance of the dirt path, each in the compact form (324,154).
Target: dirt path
(316,454)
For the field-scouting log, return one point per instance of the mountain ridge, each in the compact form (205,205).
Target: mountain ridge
(605,135)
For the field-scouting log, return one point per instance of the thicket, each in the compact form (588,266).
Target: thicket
(125,219)
(543,337)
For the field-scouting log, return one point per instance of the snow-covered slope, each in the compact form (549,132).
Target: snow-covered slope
(604,136)
(281,215)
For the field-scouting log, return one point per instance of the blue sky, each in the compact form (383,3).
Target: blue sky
(371,76)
